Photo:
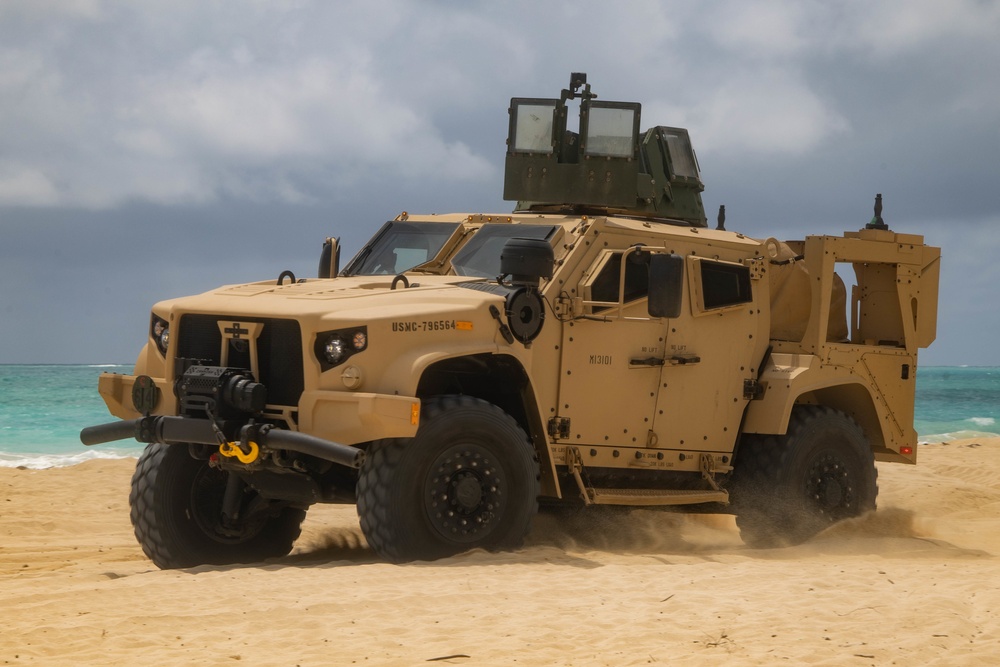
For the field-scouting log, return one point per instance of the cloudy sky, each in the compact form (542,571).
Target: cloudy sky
(160,148)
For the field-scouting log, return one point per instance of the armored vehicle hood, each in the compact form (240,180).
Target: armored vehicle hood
(361,297)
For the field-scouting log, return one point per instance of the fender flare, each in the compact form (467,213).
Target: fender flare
(815,383)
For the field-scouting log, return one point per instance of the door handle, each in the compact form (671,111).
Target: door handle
(648,361)
(684,359)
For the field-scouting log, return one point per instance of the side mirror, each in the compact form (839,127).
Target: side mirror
(666,285)
(527,261)
(329,259)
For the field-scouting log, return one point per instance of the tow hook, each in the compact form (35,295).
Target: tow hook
(235,449)
(246,450)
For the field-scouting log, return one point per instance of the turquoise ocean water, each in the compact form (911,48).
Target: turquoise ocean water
(43,408)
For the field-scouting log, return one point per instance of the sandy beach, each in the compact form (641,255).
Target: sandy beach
(914,583)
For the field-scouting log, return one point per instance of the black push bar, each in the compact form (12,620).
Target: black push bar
(183,430)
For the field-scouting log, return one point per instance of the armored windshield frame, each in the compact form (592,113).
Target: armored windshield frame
(438,235)
(487,243)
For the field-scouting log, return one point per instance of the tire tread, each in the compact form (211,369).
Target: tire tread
(377,502)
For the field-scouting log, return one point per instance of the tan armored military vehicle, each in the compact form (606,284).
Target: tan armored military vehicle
(598,346)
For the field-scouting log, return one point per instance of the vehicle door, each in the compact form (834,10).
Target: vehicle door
(610,373)
(711,353)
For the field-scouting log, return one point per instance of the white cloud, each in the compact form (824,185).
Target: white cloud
(244,119)
(876,30)
(23,185)
(761,111)
(107,102)
(46,9)
(759,29)
(896,27)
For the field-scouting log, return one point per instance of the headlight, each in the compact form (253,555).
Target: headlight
(333,348)
(159,329)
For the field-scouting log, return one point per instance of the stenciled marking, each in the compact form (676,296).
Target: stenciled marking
(421,326)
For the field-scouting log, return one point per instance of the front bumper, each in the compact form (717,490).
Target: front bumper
(172,430)
(337,416)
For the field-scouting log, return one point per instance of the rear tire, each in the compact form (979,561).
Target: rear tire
(468,479)
(176,512)
(788,488)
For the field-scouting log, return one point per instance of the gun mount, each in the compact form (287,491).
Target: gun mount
(606,167)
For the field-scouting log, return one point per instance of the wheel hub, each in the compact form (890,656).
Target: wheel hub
(467,491)
(830,487)
(464,494)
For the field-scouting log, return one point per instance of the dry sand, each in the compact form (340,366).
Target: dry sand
(915,583)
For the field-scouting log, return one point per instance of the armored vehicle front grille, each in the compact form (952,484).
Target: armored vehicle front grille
(279,349)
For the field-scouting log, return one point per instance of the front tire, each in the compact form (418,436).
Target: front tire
(468,479)
(176,512)
(788,488)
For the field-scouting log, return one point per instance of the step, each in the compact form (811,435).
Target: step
(656,496)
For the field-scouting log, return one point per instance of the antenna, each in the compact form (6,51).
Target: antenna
(877,222)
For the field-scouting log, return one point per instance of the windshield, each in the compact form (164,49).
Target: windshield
(481,255)
(400,246)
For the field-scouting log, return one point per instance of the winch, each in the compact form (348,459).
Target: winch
(220,392)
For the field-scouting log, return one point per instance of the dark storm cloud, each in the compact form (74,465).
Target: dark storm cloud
(154,149)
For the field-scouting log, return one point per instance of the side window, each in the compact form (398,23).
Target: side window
(724,285)
(605,287)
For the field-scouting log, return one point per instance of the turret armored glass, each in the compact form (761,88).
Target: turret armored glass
(532,125)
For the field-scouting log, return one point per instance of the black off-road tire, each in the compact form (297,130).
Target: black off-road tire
(176,510)
(788,488)
(468,479)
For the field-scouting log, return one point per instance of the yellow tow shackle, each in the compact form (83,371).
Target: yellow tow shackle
(231,449)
